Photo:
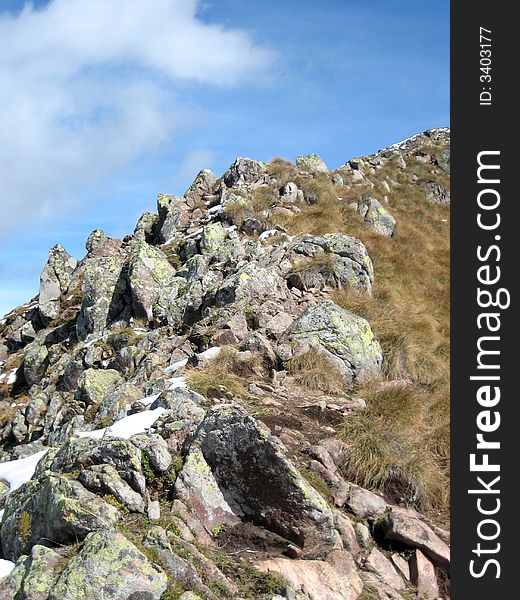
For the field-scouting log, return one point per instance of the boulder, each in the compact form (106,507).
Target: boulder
(95,384)
(336,579)
(344,337)
(197,487)
(54,281)
(376,562)
(34,575)
(374,213)
(259,483)
(436,193)
(51,507)
(104,479)
(422,574)
(109,566)
(333,260)
(105,284)
(245,171)
(402,525)
(149,273)
(202,185)
(250,283)
(174,216)
(311,162)
(365,504)
(36,361)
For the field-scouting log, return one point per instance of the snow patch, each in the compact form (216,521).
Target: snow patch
(177,382)
(210,353)
(12,377)
(215,209)
(149,399)
(176,366)
(6,566)
(18,472)
(126,427)
(268,233)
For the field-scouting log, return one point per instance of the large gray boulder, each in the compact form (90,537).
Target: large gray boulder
(259,483)
(51,507)
(346,339)
(173,217)
(245,171)
(202,185)
(105,284)
(375,215)
(334,260)
(109,566)
(34,575)
(311,162)
(54,281)
(149,273)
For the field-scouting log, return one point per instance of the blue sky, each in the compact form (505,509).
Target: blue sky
(105,103)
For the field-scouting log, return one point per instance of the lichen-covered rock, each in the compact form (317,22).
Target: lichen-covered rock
(173,216)
(311,162)
(245,171)
(149,273)
(104,479)
(345,338)
(155,448)
(54,281)
(51,507)
(109,566)
(36,361)
(202,185)
(196,486)
(105,284)
(376,215)
(250,283)
(334,260)
(95,384)
(259,483)
(34,575)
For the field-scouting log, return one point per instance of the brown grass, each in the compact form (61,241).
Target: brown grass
(312,369)
(409,313)
(227,371)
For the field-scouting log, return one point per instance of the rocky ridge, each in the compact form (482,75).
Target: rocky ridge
(155,440)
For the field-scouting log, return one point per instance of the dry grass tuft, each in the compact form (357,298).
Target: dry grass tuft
(314,370)
(227,371)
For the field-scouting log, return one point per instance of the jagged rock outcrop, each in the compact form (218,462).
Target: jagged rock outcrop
(54,282)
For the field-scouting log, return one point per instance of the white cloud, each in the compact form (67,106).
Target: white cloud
(87,86)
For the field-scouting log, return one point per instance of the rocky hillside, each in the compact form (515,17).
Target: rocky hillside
(245,398)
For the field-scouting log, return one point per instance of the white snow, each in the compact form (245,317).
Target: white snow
(126,427)
(149,399)
(210,353)
(268,233)
(215,209)
(177,382)
(176,366)
(18,472)
(12,377)
(6,566)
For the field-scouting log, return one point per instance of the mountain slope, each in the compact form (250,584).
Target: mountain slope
(248,396)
